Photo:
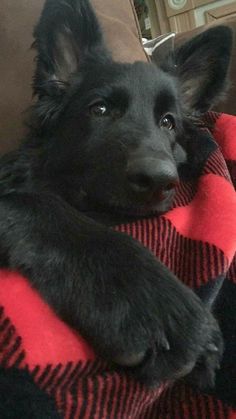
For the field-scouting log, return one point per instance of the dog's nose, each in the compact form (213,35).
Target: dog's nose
(150,175)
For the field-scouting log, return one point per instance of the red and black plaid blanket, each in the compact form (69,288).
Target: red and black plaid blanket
(197,241)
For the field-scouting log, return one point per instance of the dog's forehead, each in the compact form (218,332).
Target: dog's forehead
(147,73)
(145,78)
(137,79)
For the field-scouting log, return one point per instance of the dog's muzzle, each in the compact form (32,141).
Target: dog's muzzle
(152,179)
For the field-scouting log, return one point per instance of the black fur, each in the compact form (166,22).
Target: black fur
(108,142)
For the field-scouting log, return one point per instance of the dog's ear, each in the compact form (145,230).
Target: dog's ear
(201,66)
(67,33)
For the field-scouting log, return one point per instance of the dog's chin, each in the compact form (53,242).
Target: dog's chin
(116,210)
(145,209)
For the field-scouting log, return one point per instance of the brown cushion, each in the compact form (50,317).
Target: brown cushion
(18,18)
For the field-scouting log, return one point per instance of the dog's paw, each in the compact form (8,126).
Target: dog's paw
(193,356)
(145,320)
(204,372)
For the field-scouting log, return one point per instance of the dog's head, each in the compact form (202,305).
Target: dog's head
(116,135)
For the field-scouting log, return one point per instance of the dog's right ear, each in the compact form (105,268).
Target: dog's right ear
(67,34)
(200,67)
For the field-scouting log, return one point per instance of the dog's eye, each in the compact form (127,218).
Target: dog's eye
(98,109)
(167,122)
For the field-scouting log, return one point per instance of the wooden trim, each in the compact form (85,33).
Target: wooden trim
(162,18)
(199,3)
(155,25)
(185,19)
(208,17)
(222,11)
(170,11)
(182,23)
(136,20)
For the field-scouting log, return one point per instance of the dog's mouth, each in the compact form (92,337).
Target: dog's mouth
(159,203)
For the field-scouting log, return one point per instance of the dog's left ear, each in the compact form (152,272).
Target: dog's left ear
(67,34)
(201,66)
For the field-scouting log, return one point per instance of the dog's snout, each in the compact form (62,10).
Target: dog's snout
(150,175)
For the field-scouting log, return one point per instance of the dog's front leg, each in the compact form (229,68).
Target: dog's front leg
(109,287)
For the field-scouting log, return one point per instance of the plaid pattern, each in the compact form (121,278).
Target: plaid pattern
(197,241)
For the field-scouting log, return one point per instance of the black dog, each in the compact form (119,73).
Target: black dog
(109,142)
